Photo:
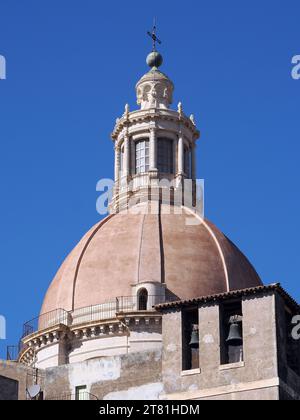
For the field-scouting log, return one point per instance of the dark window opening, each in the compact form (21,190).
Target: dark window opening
(143,300)
(9,389)
(292,345)
(231,331)
(190,339)
(187,162)
(165,156)
(81,393)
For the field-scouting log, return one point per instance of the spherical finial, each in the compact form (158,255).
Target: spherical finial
(154,59)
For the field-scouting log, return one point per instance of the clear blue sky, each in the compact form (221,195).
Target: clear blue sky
(72,66)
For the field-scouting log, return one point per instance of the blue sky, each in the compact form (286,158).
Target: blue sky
(72,66)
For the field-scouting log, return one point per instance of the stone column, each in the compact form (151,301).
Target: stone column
(180,154)
(117,163)
(153,149)
(126,168)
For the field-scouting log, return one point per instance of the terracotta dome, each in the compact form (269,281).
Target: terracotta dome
(192,259)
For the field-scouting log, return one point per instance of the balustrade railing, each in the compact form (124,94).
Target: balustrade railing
(93,313)
(104,311)
(12,353)
(47,320)
(83,396)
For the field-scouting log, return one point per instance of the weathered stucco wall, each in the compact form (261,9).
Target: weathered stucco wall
(132,376)
(16,377)
(267,394)
(290,381)
(157,374)
(257,377)
(133,333)
(9,389)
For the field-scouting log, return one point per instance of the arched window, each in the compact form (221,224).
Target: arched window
(143,300)
(165,156)
(142,156)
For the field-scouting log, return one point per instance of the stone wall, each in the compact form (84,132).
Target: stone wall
(255,378)
(290,381)
(129,333)
(157,374)
(123,377)
(15,379)
(9,389)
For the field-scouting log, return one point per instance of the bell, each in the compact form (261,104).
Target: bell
(234,338)
(194,343)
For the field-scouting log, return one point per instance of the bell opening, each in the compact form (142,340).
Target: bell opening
(231,332)
(194,343)
(235,335)
(190,339)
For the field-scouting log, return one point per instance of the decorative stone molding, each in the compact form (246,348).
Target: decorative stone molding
(136,120)
(65,336)
(78,334)
(153,121)
(154,90)
(37,341)
(93,332)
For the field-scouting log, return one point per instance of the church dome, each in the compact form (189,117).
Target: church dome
(127,249)
(149,250)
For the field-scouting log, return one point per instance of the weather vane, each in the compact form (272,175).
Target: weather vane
(153,36)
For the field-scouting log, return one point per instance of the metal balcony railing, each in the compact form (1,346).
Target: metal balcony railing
(12,353)
(84,396)
(90,314)
(137,303)
(94,313)
(44,321)
(120,305)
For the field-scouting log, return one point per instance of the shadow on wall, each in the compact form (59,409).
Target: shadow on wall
(9,389)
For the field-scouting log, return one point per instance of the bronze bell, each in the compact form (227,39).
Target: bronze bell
(194,343)
(235,337)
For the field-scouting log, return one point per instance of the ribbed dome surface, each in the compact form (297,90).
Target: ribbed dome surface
(192,259)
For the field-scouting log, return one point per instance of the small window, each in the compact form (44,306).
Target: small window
(142,156)
(190,339)
(231,331)
(80,393)
(143,300)
(165,157)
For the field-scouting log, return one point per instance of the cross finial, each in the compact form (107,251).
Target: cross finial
(153,36)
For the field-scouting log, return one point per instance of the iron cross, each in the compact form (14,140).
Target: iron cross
(154,37)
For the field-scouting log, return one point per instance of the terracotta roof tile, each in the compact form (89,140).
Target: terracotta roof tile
(259,290)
